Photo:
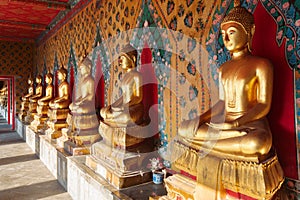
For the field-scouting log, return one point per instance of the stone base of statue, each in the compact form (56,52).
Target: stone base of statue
(31,112)
(33,140)
(217,174)
(49,155)
(20,128)
(81,133)
(122,156)
(83,147)
(39,122)
(57,121)
(23,110)
(134,138)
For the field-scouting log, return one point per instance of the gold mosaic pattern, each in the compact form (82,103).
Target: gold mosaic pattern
(80,31)
(16,60)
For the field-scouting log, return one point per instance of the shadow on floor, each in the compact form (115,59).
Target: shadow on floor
(34,191)
(16,159)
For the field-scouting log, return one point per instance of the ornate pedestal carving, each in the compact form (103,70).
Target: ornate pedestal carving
(39,122)
(81,133)
(219,176)
(57,121)
(122,156)
(24,110)
(31,112)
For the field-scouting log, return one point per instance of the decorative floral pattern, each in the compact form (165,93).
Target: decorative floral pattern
(16,59)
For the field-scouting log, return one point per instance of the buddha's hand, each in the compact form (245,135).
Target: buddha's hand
(224,125)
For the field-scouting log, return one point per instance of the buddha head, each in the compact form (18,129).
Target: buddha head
(38,79)
(85,66)
(127,58)
(30,81)
(240,21)
(49,78)
(62,73)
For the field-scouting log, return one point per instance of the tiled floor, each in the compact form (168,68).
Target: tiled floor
(22,175)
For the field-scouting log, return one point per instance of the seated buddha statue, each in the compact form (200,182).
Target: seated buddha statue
(233,137)
(25,100)
(237,122)
(85,97)
(48,92)
(33,99)
(30,90)
(59,107)
(63,99)
(38,89)
(3,96)
(82,120)
(127,137)
(42,106)
(128,109)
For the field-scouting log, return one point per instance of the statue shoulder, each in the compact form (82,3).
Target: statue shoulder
(262,63)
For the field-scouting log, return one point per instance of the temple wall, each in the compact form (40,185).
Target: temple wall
(16,60)
(185,52)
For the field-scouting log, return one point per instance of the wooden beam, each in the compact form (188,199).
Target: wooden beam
(15,39)
(20,25)
(55,5)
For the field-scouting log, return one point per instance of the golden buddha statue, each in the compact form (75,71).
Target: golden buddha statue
(85,97)
(63,99)
(3,97)
(43,105)
(234,134)
(30,90)
(128,109)
(38,89)
(25,100)
(48,92)
(33,99)
(82,120)
(126,134)
(59,107)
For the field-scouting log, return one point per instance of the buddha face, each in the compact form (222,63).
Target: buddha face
(234,36)
(38,80)
(83,69)
(48,79)
(124,62)
(61,76)
(30,81)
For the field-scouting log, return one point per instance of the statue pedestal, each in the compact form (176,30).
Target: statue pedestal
(119,168)
(219,175)
(39,122)
(57,121)
(23,110)
(20,129)
(48,154)
(81,134)
(84,183)
(62,168)
(122,156)
(55,159)
(33,140)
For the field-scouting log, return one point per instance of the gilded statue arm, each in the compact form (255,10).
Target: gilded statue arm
(64,96)
(87,94)
(30,92)
(49,94)
(138,91)
(264,73)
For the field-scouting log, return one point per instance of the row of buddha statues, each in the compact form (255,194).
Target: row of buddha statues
(227,148)
(3,97)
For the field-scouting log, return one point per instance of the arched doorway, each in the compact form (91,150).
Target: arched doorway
(11,103)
